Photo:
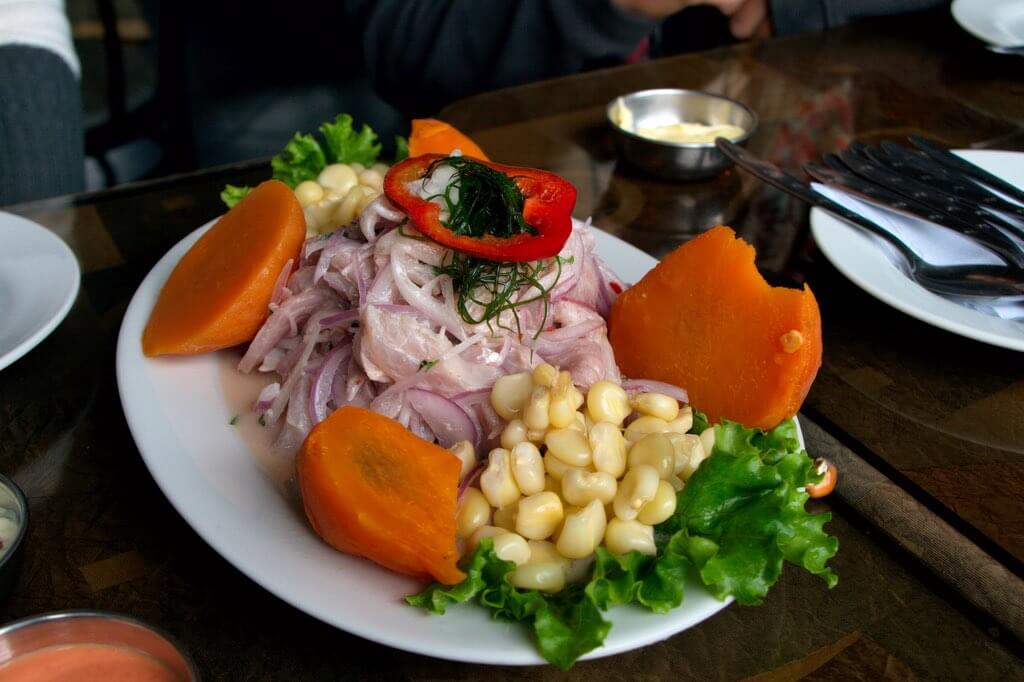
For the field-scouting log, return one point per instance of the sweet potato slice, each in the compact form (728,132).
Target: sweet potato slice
(430,136)
(217,295)
(706,320)
(372,488)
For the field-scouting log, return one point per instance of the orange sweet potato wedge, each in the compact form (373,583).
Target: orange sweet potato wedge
(217,295)
(706,320)
(372,488)
(430,136)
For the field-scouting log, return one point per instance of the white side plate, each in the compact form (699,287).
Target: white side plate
(997,22)
(857,256)
(39,278)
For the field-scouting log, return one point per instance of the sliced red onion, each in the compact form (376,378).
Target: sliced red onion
(446,419)
(467,398)
(360,282)
(279,324)
(420,428)
(297,376)
(266,397)
(340,318)
(632,386)
(379,211)
(312,245)
(320,391)
(572,332)
(280,291)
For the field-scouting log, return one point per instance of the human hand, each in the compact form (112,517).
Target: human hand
(747,18)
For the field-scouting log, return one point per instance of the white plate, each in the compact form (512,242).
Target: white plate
(857,256)
(997,22)
(39,279)
(178,414)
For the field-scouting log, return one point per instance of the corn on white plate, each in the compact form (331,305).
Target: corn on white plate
(179,416)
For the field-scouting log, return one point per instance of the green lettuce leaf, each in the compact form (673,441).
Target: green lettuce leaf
(232,195)
(302,159)
(566,625)
(401,148)
(738,518)
(700,422)
(742,513)
(345,145)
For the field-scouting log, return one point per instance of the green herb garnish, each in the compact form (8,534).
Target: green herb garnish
(487,288)
(427,364)
(488,202)
(234,420)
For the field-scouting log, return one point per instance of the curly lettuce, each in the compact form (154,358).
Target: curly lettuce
(305,156)
(232,195)
(738,518)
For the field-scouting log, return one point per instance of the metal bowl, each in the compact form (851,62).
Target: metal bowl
(68,628)
(665,106)
(11,497)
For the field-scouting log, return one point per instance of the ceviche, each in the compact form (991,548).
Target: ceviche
(472,396)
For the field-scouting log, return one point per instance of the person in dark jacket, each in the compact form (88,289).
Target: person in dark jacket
(423,54)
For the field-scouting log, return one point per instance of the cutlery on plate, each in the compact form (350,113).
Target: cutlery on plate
(924,169)
(975,281)
(951,160)
(927,203)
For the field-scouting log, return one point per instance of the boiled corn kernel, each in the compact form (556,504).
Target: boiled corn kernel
(579,487)
(481,533)
(338,178)
(556,468)
(474,512)
(308,193)
(528,468)
(510,394)
(544,375)
(467,456)
(582,531)
(497,481)
(707,439)
(657,405)
(539,515)
(543,551)
(608,402)
(683,422)
(513,434)
(641,426)
(568,445)
(506,517)
(637,488)
(546,577)
(656,451)
(622,537)
(608,448)
(661,507)
(536,412)
(512,547)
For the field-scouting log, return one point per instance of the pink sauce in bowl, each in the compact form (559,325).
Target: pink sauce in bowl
(87,663)
(80,646)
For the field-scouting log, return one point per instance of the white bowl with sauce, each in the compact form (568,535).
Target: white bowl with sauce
(671,133)
(13,526)
(81,646)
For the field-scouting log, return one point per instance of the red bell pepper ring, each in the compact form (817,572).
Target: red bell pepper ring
(547,208)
